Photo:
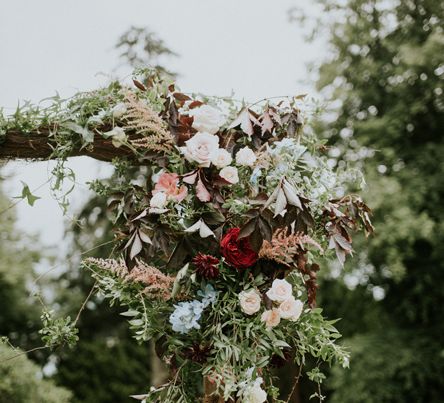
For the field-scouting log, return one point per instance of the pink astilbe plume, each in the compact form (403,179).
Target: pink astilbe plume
(146,122)
(283,248)
(158,285)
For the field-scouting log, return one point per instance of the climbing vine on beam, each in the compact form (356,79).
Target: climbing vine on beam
(219,241)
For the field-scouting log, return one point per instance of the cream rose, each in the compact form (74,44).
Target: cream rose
(222,158)
(207,119)
(229,174)
(271,317)
(201,148)
(255,394)
(245,156)
(250,301)
(291,309)
(280,290)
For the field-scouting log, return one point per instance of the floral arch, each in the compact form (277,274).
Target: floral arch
(218,244)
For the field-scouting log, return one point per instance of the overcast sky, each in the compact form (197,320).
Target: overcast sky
(245,46)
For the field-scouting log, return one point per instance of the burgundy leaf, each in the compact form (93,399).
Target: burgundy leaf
(139,85)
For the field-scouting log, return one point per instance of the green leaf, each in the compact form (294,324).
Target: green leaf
(27,194)
(281,343)
(136,322)
(131,312)
(87,135)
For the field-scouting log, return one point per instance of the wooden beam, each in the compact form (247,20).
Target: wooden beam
(37,146)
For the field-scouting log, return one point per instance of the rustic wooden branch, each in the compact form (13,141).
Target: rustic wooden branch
(37,146)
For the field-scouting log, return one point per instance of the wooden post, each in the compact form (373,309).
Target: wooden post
(209,392)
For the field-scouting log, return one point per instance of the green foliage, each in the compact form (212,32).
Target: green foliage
(58,331)
(21,381)
(19,316)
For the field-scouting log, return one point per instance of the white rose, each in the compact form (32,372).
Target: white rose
(291,309)
(271,318)
(255,394)
(158,203)
(250,301)
(207,119)
(245,156)
(280,290)
(222,158)
(119,110)
(229,174)
(202,148)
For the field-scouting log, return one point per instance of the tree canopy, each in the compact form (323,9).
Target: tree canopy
(386,78)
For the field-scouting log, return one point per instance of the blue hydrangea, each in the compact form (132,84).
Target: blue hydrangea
(254,178)
(186,316)
(208,294)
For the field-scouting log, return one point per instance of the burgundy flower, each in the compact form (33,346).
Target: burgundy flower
(237,252)
(198,353)
(206,265)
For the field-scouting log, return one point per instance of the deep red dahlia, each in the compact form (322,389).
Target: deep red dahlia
(206,265)
(237,252)
(198,353)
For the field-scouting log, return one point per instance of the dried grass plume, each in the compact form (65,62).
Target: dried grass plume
(146,122)
(158,284)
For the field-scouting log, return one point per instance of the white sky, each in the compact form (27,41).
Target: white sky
(247,46)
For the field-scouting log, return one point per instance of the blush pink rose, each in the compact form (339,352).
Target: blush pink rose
(271,318)
(169,184)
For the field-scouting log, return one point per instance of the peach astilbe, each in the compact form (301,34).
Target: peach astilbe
(146,122)
(158,285)
(283,247)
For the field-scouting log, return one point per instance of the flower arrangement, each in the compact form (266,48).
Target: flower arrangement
(219,240)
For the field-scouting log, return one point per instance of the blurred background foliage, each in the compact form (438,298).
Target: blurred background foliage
(21,377)
(383,78)
(385,83)
(20,381)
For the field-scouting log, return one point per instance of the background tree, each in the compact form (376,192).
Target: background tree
(20,381)
(19,316)
(386,74)
(141,47)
